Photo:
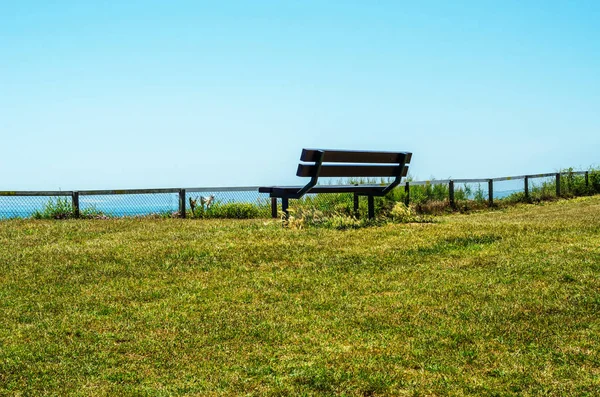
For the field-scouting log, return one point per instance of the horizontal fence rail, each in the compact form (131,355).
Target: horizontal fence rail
(36,193)
(128,191)
(243,201)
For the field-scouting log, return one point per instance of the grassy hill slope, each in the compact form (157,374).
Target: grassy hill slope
(501,302)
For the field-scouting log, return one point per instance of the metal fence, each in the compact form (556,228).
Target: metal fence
(489,189)
(219,201)
(246,202)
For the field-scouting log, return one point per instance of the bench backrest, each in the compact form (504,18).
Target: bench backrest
(350,163)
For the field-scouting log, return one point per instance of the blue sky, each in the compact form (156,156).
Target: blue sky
(133,94)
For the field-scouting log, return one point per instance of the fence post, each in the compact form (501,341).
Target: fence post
(273,207)
(558,184)
(526,187)
(182,203)
(75,201)
(451,193)
(491,192)
(407,194)
(587,179)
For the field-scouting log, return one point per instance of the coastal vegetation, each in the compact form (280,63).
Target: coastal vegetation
(429,199)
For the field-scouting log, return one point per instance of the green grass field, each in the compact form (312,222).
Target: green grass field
(503,302)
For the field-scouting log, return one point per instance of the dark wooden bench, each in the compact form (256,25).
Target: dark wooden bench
(343,164)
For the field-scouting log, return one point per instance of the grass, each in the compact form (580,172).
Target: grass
(504,302)
(231,210)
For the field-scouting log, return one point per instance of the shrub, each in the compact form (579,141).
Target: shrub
(537,193)
(228,210)
(514,198)
(61,208)
(573,185)
(479,195)
(431,192)
(594,181)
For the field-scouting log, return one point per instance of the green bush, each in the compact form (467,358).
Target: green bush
(62,208)
(430,192)
(537,193)
(59,208)
(514,198)
(594,181)
(573,185)
(228,210)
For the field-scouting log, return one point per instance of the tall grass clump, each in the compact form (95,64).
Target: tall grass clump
(301,217)
(62,208)
(433,198)
(421,194)
(573,185)
(230,210)
(594,180)
(59,208)
(538,192)
(339,214)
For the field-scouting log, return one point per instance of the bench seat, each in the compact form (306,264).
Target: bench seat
(362,190)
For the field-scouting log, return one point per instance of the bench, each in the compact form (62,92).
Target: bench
(343,164)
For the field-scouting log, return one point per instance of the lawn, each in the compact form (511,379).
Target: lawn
(503,302)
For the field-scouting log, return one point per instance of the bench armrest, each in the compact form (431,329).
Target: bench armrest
(315,177)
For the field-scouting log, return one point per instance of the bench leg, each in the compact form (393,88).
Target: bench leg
(371,207)
(274,207)
(284,206)
(356,205)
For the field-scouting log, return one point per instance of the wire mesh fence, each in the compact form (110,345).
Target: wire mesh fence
(129,205)
(28,206)
(247,202)
(238,202)
(232,202)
